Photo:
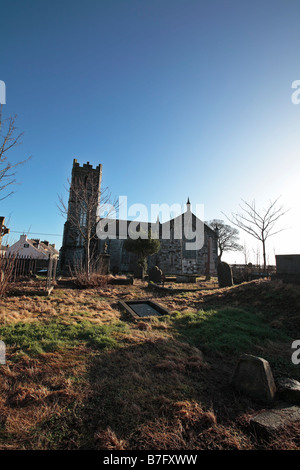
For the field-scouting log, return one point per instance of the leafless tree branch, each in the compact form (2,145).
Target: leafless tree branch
(258,224)
(8,140)
(227,237)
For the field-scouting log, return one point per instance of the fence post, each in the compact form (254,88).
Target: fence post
(54,269)
(49,272)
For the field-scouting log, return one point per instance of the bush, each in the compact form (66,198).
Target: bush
(95,276)
(93,280)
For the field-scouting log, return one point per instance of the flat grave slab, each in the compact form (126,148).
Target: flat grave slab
(143,308)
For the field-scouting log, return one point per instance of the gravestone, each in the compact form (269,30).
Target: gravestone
(288,268)
(155,275)
(253,376)
(288,264)
(104,263)
(224,275)
(138,272)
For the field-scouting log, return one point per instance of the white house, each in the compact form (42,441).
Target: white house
(32,248)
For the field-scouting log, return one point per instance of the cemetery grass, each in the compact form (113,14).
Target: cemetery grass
(80,374)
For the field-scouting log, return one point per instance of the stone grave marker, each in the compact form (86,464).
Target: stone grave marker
(253,376)
(224,275)
(155,275)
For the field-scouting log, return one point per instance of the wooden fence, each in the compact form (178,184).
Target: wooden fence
(19,267)
(249,272)
(51,272)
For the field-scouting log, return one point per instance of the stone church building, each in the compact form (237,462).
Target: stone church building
(175,255)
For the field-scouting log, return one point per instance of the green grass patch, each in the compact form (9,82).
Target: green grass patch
(230,330)
(80,314)
(58,293)
(41,337)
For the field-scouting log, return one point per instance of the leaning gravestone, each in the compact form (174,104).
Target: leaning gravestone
(253,376)
(155,275)
(224,275)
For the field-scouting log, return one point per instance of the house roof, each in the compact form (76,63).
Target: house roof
(47,248)
(43,247)
(125,223)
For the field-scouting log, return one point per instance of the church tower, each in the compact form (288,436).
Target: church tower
(83,205)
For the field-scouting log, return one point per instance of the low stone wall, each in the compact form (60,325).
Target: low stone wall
(186,278)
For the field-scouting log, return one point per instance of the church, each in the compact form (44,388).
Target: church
(179,254)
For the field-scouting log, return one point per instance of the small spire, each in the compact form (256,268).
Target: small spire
(188,205)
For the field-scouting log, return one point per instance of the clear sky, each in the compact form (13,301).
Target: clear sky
(175,98)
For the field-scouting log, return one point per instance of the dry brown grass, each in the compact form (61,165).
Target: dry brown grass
(35,391)
(152,392)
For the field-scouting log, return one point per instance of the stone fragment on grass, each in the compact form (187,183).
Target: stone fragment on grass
(289,390)
(253,376)
(275,419)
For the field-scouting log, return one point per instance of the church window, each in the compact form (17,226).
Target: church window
(82,217)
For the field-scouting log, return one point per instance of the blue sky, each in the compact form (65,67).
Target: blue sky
(175,98)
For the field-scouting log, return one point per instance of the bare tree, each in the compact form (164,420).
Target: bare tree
(82,213)
(9,138)
(259,224)
(245,251)
(227,237)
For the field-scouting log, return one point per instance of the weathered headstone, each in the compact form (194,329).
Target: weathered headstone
(288,268)
(155,275)
(253,376)
(224,275)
